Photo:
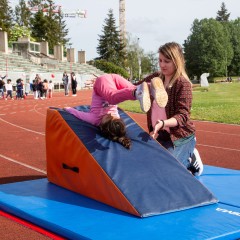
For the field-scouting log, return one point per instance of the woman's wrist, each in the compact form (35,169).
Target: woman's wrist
(163,124)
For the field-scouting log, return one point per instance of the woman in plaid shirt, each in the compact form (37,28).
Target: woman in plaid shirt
(171,126)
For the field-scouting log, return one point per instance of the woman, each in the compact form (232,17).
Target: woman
(108,91)
(171,126)
(74,84)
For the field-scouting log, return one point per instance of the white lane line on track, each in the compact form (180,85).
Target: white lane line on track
(23,164)
(35,106)
(29,130)
(232,134)
(230,149)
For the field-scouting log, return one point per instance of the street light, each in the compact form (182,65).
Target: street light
(139,62)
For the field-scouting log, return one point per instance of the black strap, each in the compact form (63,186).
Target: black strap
(74,169)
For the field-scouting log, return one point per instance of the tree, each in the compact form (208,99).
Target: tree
(111,47)
(149,61)
(222,14)
(208,49)
(48,25)
(19,31)
(22,14)
(6,16)
(39,27)
(234,29)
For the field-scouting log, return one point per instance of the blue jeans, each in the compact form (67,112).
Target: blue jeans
(181,153)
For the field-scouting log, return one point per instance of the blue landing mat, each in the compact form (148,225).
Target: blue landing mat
(76,217)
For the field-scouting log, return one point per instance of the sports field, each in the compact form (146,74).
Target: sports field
(23,155)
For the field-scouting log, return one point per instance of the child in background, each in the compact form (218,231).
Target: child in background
(9,89)
(50,89)
(45,88)
(27,88)
(19,89)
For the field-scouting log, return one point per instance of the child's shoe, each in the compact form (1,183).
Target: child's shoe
(196,165)
(142,94)
(158,92)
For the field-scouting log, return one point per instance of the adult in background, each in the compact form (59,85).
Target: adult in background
(65,80)
(171,126)
(2,83)
(74,84)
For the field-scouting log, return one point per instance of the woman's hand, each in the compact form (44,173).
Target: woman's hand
(158,126)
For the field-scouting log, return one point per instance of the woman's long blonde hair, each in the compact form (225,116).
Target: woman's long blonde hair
(173,51)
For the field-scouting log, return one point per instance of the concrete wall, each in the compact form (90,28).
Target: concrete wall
(58,52)
(71,55)
(81,56)
(3,42)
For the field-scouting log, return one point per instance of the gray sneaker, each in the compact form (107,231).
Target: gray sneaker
(142,94)
(196,165)
(158,92)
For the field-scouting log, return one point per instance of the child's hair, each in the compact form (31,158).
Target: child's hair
(115,130)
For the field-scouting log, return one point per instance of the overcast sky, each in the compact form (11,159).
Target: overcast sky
(154,22)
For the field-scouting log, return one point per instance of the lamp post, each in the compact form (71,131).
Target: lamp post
(70,46)
(139,62)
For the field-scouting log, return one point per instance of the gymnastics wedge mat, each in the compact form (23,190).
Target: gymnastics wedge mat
(74,216)
(144,181)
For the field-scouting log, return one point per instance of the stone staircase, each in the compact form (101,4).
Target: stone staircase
(14,63)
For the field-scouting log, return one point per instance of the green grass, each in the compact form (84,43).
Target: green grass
(218,103)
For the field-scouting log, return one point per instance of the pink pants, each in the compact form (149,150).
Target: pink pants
(114,88)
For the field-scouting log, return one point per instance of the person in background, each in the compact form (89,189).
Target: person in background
(74,84)
(27,88)
(40,88)
(50,89)
(19,88)
(34,89)
(9,89)
(45,88)
(2,83)
(65,80)
(171,126)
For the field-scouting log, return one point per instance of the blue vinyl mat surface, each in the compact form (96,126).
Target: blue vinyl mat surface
(76,217)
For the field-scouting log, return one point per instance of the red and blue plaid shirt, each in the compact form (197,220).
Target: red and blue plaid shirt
(178,106)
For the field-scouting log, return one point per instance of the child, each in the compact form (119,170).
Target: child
(19,89)
(108,91)
(9,89)
(45,88)
(50,89)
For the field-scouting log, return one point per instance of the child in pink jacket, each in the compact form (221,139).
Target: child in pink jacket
(108,91)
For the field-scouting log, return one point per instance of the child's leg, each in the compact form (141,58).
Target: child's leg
(114,88)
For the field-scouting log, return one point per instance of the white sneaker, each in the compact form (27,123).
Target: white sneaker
(158,92)
(196,165)
(142,94)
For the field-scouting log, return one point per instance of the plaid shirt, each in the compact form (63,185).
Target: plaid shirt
(178,106)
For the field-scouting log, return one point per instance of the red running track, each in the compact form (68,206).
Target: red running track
(22,148)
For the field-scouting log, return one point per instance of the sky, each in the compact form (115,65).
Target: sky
(154,22)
